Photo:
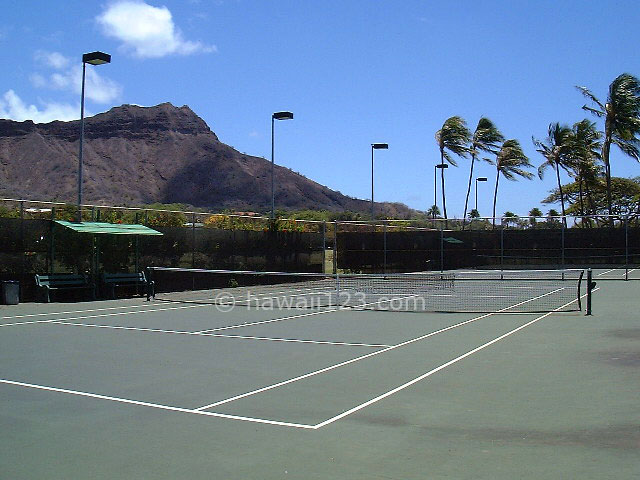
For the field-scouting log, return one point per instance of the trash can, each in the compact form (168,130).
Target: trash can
(10,292)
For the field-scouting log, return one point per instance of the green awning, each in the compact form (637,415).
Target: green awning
(108,228)
(452,240)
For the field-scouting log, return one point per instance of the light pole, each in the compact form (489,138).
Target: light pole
(274,117)
(435,183)
(479,179)
(94,58)
(375,146)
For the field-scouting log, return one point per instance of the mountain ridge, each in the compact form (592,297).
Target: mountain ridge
(140,155)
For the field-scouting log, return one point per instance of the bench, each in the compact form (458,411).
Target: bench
(62,281)
(112,280)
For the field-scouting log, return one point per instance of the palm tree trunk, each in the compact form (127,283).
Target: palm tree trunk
(606,147)
(564,214)
(444,199)
(466,202)
(495,198)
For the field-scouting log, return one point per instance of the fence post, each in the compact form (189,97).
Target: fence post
(564,219)
(501,248)
(137,258)
(22,245)
(52,239)
(384,246)
(324,246)
(193,240)
(626,247)
(335,247)
(441,247)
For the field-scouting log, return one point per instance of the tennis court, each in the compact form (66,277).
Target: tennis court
(197,389)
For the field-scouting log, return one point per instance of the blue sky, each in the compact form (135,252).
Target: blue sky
(353,72)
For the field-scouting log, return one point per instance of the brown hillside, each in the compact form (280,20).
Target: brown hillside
(140,155)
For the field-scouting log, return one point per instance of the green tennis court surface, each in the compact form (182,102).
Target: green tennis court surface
(136,389)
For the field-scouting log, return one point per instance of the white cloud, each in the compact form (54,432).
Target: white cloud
(53,59)
(147,31)
(68,77)
(13,108)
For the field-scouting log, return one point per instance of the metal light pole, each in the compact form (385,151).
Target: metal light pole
(435,183)
(375,146)
(274,117)
(479,179)
(94,58)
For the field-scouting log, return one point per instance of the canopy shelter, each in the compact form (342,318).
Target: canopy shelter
(108,228)
(102,229)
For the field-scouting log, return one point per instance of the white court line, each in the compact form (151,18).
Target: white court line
(604,273)
(31,315)
(200,411)
(437,369)
(362,357)
(155,405)
(244,337)
(102,315)
(262,322)
(622,273)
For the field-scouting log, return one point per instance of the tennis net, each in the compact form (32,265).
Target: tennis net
(480,291)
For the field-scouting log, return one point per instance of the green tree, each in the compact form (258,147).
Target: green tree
(552,218)
(473,214)
(534,214)
(621,115)
(555,149)
(510,162)
(625,195)
(433,212)
(486,138)
(453,137)
(584,153)
(509,217)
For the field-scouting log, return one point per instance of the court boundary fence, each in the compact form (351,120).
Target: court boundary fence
(31,243)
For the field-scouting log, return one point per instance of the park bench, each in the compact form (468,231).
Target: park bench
(62,281)
(112,280)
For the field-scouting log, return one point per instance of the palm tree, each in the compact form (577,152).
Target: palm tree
(510,161)
(454,136)
(621,116)
(585,150)
(534,214)
(556,150)
(486,138)
(434,211)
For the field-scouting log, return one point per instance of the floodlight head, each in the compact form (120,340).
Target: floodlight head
(442,165)
(282,116)
(96,58)
(481,179)
(380,146)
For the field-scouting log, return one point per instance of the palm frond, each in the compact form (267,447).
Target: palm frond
(587,93)
(454,136)
(486,137)
(597,113)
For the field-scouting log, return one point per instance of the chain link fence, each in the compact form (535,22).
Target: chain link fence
(32,243)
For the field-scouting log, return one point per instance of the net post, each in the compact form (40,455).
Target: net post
(590,286)
(150,284)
